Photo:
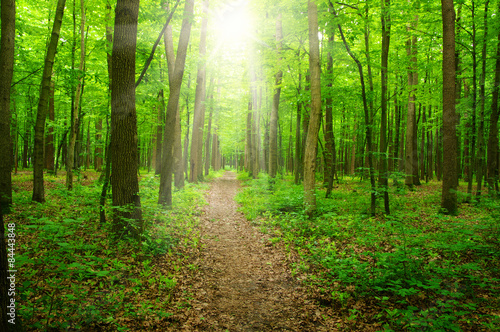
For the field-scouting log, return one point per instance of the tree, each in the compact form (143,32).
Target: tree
(75,119)
(195,162)
(411,153)
(165,193)
(314,119)
(38,186)
(124,182)
(492,152)
(449,187)
(8,12)
(273,132)
(386,38)
(7,38)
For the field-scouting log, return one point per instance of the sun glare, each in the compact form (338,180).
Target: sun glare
(234,23)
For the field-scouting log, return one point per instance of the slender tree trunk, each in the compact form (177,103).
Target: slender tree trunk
(199,102)
(411,155)
(314,119)
(482,91)
(124,161)
(165,192)
(75,120)
(159,131)
(367,122)
(273,129)
(449,194)
(329,139)
(38,185)
(383,168)
(492,152)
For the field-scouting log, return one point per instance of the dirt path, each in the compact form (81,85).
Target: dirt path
(243,283)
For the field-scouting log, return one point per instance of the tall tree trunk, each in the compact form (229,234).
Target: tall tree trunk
(449,194)
(273,129)
(124,161)
(480,133)
(383,177)
(7,43)
(492,152)
(38,185)
(368,121)
(314,119)
(329,139)
(165,192)
(199,102)
(75,120)
(411,155)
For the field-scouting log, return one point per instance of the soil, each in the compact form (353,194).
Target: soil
(241,281)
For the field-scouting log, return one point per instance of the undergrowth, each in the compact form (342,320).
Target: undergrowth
(74,275)
(414,270)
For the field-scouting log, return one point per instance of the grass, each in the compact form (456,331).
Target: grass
(413,270)
(73,274)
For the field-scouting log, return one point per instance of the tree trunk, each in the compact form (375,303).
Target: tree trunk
(368,121)
(178,162)
(492,152)
(124,161)
(411,155)
(298,147)
(449,194)
(480,133)
(38,185)
(7,43)
(329,139)
(75,120)
(273,129)
(199,102)
(159,131)
(314,119)
(383,169)
(165,192)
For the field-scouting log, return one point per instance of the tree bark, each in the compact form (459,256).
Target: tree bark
(38,185)
(449,187)
(314,119)
(330,163)
(124,161)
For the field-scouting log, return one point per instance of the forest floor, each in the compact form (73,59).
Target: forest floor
(242,282)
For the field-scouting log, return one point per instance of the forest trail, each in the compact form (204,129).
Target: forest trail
(243,282)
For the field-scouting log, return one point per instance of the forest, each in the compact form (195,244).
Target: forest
(237,165)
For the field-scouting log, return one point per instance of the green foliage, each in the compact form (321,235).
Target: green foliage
(417,269)
(74,275)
